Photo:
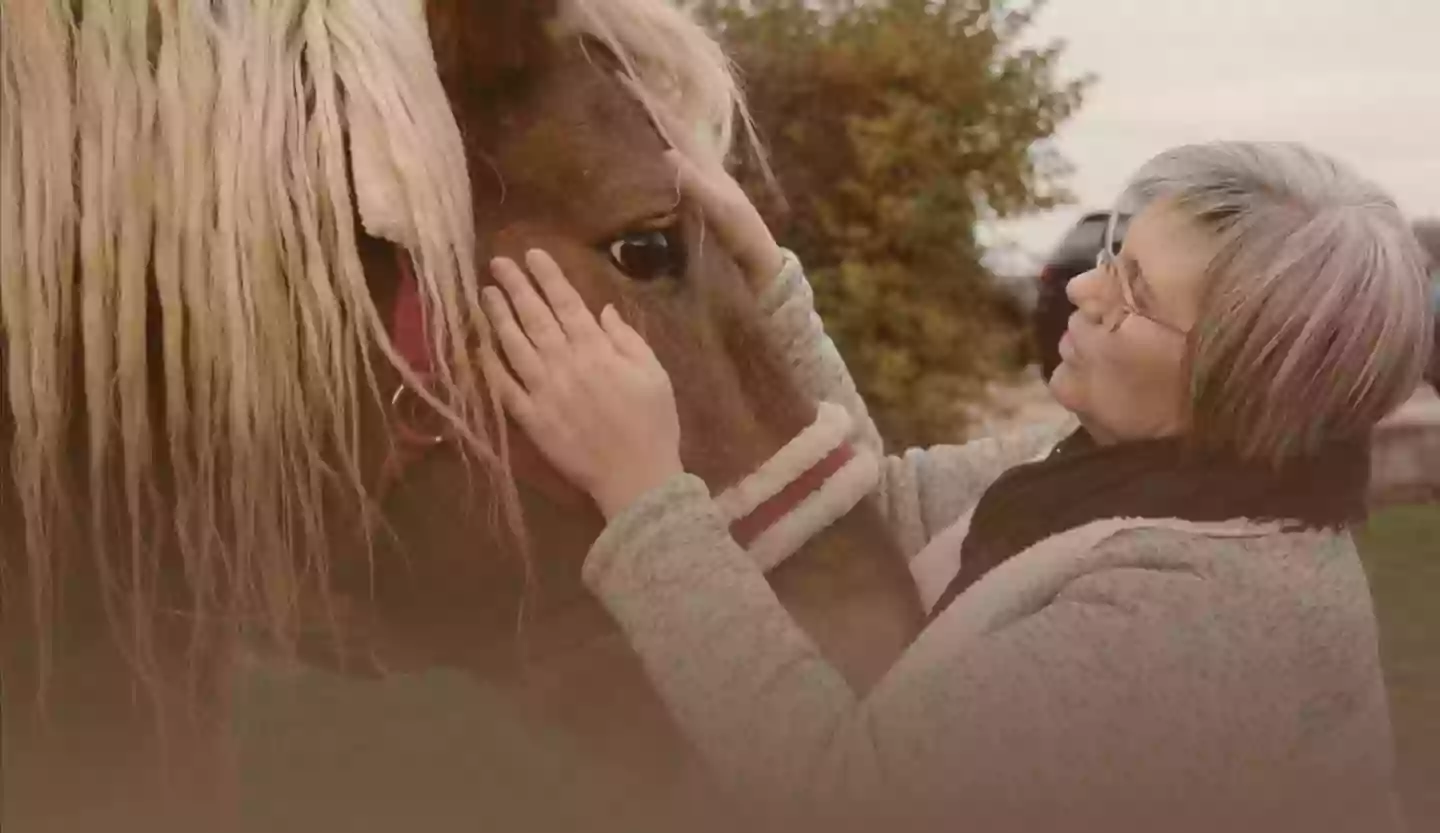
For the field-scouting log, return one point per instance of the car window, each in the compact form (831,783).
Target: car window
(1086,238)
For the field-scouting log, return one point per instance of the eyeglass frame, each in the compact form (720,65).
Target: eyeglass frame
(1106,259)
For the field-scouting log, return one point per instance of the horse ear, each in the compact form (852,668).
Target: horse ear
(478,42)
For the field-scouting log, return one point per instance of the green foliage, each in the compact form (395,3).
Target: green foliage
(893,127)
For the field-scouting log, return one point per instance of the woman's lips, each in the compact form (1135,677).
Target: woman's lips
(1067,347)
(1070,344)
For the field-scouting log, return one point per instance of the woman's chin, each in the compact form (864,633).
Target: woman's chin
(1064,386)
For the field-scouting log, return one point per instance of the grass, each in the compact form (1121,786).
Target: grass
(1401,549)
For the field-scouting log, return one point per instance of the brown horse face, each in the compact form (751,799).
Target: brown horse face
(562,157)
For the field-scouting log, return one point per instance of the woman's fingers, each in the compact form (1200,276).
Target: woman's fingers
(535,316)
(513,397)
(518,349)
(628,343)
(707,192)
(512,394)
(575,318)
(729,211)
(700,185)
(576,343)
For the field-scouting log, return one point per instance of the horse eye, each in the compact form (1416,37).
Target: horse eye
(650,254)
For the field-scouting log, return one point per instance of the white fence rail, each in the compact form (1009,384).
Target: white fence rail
(1406,454)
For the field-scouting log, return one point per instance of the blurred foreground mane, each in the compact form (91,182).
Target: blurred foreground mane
(188,330)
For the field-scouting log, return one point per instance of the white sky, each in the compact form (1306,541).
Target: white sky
(1356,78)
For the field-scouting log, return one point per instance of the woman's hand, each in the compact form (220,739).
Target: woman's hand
(732,216)
(590,394)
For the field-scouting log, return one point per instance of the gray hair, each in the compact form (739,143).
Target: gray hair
(1315,319)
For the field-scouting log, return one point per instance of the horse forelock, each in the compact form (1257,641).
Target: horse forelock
(191,283)
(221,151)
(672,62)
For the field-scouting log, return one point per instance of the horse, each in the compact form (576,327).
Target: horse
(241,246)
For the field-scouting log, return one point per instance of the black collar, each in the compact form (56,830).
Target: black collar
(1082,481)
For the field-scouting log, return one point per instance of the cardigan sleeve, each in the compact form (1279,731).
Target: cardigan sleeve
(921,491)
(1074,702)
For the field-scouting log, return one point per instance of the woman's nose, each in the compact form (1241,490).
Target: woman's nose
(1089,293)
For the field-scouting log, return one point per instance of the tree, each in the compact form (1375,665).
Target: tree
(893,127)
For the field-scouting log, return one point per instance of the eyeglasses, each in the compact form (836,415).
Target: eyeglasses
(1106,262)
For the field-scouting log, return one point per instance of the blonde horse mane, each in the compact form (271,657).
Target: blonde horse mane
(180,168)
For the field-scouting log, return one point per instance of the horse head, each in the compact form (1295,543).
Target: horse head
(242,248)
(556,113)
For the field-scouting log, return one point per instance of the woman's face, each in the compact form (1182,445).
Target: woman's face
(1123,369)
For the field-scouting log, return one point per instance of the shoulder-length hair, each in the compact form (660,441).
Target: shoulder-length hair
(1315,320)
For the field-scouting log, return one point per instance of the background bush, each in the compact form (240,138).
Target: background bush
(895,126)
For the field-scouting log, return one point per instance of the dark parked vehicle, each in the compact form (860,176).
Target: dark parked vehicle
(1428,233)
(1075,255)
(1432,375)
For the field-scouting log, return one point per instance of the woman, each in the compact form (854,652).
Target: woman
(1161,625)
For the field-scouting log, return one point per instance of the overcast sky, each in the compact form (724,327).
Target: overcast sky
(1356,78)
